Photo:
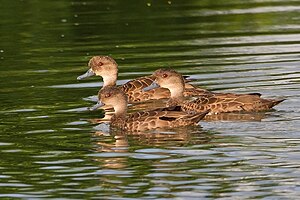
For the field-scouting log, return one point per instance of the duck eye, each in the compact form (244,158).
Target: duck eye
(107,95)
(164,75)
(100,63)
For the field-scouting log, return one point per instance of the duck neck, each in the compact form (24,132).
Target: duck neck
(110,80)
(177,93)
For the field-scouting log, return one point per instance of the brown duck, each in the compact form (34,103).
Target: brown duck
(144,120)
(215,102)
(107,68)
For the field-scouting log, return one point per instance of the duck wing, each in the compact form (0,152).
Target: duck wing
(146,120)
(219,103)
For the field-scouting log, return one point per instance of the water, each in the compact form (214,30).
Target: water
(50,146)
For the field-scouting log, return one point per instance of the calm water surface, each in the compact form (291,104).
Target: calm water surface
(50,146)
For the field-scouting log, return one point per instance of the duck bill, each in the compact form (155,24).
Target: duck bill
(87,74)
(151,87)
(99,104)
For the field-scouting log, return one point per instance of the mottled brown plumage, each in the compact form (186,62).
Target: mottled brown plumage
(145,120)
(215,102)
(107,68)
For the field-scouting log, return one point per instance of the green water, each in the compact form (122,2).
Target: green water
(51,147)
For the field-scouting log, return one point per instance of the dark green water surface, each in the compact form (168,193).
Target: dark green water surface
(51,147)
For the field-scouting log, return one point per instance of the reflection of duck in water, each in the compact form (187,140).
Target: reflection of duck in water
(120,145)
(165,137)
(143,120)
(180,136)
(107,68)
(116,157)
(215,102)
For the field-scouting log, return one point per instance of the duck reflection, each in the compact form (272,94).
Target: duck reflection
(182,136)
(121,162)
(117,141)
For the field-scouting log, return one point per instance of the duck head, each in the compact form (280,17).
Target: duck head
(112,96)
(170,79)
(103,66)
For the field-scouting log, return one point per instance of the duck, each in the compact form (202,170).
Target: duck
(215,102)
(107,68)
(143,120)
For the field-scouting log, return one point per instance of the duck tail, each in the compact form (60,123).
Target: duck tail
(187,78)
(275,102)
(198,116)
